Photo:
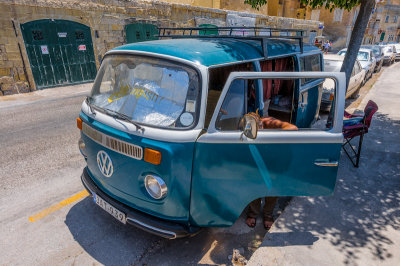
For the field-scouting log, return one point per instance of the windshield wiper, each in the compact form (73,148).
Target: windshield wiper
(122,117)
(88,98)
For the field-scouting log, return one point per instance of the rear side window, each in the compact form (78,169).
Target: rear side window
(310,63)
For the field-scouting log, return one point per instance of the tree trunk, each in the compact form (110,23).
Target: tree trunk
(356,37)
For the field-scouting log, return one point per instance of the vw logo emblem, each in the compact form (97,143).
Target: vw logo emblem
(105,164)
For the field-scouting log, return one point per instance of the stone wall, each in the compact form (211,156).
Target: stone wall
(108,18)
(338,26)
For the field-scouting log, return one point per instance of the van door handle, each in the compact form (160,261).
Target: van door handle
(326,163)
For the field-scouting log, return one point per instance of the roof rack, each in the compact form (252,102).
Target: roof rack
(248,33)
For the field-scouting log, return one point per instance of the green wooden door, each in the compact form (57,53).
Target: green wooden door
(60,52)
(382,36)
(140,32)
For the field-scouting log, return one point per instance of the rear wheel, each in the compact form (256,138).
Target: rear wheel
(356,92)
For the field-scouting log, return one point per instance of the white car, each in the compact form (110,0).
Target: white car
(389,54)
(397,47)
(333,63)
(367,60)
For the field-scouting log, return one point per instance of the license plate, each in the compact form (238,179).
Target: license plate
(117,214)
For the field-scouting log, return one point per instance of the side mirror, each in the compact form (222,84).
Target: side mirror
(250,126)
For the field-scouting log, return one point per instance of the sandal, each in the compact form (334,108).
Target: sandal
(251,222)
(268,222)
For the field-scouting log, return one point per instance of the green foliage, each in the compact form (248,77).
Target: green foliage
(332,4)
(328,4)
(256,4)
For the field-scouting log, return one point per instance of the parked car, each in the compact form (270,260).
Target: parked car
(170,141)
(397,47)
(378,54)
(389,54)
(333,63)
(366,59)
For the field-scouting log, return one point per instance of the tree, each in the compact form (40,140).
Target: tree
(366,7)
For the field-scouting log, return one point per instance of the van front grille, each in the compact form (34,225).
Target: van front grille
(124,148)
(114,144)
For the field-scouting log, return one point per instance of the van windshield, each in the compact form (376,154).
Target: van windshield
(148,91)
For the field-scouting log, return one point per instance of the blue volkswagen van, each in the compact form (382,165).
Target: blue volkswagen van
(167,136)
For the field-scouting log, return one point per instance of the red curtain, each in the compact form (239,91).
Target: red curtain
(266,66)
(281,64)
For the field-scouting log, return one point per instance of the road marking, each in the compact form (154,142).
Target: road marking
(58,206)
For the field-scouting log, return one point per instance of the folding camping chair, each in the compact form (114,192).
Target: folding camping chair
(357,126)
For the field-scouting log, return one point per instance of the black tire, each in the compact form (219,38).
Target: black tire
(355,94)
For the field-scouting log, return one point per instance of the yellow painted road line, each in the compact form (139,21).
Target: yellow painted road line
(58,206)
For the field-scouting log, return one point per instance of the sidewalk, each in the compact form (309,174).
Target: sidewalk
(360,223)
(45,95)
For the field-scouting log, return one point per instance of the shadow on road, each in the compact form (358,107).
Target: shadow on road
(112,243)
(365,204)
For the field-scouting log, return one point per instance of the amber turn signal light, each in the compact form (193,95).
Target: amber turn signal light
(152,156)
(79,123)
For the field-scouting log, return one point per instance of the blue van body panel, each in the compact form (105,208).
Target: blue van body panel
(127,182)
(210,52)
(227,177)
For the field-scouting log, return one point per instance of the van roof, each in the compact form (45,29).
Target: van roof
(217,51)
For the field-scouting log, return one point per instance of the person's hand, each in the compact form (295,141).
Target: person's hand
(224,112)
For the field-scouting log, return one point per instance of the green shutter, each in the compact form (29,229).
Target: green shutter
(140,32)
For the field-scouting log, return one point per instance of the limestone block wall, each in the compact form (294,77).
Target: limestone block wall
(107,20)
(338,26)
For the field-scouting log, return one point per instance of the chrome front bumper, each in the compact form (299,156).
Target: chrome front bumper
(146,222)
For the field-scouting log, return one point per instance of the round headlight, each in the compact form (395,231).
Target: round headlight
(155,186)
(82,147)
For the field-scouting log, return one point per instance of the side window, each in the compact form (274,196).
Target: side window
(358,68)
(234,106)
(217,80)
(279,113)
(310,63)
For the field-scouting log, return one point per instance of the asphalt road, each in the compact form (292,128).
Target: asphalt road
(40,167)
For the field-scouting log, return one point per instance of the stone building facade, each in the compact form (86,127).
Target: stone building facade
(106,20)
(338,25)
(384,24)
